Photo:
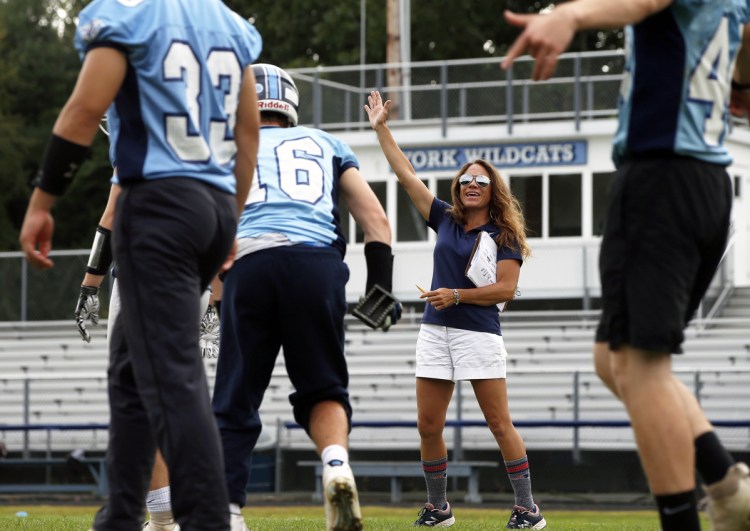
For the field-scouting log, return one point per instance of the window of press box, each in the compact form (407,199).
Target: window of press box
(444,190)
(411,225)
(601,184)
(565,211)
(379,188)
(527,189)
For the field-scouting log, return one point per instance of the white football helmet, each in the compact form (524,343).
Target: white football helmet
(276,91)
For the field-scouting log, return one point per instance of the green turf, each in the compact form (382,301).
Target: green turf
(299,518)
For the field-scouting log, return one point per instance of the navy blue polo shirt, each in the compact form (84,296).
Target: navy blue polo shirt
(449,258)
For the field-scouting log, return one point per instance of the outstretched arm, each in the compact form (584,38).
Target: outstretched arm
(418,192)
(546,36)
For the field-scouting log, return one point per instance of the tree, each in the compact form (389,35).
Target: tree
(38,68)
(302,33)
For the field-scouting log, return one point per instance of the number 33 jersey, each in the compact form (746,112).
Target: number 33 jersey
(175,112)
(675,90)
(296,187)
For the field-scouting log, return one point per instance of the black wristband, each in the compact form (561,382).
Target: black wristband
(741,87)
(101,252)
(60,164)
(379,266)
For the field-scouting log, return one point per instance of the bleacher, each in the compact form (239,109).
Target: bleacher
(550,378)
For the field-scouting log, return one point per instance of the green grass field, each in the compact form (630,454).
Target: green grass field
(298,518)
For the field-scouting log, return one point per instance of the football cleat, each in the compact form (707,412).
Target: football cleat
(341,499)
(237,522)
(729,500)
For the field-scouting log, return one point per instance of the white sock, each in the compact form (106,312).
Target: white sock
(161,517)
(334,452)
(234,508)
(159,500)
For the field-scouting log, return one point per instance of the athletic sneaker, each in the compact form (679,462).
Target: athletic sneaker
(522,518)
(431,517)
(729,500)
(237,522)
(150,525)
(341,499)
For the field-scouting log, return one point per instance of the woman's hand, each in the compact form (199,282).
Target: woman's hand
(440,299)
(377,110)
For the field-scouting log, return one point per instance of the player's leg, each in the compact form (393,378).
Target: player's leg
(158,501)
(114,310)
(158,498)
(249,346)
(165,262)
(648,261)
(655,404)
(313,344)
(603,366)
(103,518)
(131,448)
(726,482)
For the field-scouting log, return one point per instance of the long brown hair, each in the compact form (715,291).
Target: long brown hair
(505,211)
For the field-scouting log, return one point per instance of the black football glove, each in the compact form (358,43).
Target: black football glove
(87,308)
(378,309)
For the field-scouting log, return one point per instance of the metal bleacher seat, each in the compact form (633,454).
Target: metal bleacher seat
(548,352)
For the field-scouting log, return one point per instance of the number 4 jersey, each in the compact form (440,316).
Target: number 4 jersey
(175,112)
(675,90)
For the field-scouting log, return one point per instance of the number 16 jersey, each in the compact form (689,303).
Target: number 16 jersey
(295,191)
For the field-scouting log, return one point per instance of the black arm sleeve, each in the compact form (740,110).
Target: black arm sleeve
(379,266)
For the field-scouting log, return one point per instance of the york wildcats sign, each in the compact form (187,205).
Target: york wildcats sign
(500,155)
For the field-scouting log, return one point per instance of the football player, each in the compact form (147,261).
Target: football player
(286,290)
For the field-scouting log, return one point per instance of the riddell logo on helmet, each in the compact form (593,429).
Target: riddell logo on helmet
(273,105)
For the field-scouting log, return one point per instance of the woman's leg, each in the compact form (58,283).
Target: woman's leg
(433,398)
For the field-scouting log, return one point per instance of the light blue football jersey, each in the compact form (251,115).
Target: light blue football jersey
(675,93)
(296,187)
(175,112)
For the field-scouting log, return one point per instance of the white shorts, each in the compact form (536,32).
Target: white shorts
(453,354)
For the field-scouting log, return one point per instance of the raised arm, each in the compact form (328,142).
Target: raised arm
(418,192)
